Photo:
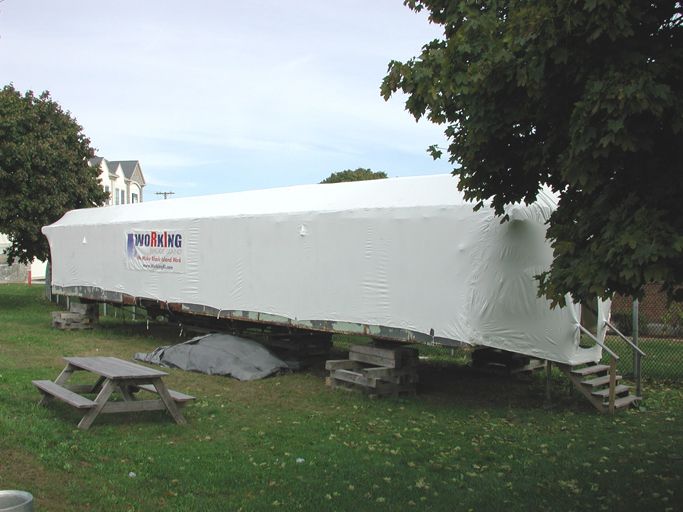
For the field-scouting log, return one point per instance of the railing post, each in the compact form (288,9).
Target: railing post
(612,383)
(636,355)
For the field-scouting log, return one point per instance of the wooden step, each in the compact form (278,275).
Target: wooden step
(600,381)
(618,390)
(626,401)
(55,390)
(175,395)
(590,370)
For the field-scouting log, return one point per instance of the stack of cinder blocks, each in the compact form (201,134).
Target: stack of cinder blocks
(375,371)
(79,316)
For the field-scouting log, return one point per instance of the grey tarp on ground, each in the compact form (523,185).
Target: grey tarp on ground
(218,354)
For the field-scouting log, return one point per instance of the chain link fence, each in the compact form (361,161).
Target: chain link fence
(656,325)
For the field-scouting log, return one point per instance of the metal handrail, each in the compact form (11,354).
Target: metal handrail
(596,340)
(618,332)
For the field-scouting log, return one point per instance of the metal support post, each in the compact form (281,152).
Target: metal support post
(636,355)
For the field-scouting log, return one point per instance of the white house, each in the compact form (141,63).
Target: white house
(123,179)
(17,272)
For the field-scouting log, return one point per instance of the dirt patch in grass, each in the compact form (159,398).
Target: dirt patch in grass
(47,486)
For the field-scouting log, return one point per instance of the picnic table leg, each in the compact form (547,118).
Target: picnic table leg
(168,401)
(101,400)
(125,390)
(65,375)
(97,387)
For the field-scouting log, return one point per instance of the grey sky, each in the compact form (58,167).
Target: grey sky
(215,96)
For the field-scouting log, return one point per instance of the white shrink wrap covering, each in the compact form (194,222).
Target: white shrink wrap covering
(406,253)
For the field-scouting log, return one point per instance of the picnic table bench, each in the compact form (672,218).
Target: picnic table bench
(113,375)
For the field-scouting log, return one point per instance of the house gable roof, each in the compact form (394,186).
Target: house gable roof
(131,170)
(96,161)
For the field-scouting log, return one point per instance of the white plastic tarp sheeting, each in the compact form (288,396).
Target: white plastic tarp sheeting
(405,252)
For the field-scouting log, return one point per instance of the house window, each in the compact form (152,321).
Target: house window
(123,197)
(117,197)
(133,198)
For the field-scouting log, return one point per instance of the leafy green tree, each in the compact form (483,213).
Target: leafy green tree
(44,170)
(582,95)
(359,174)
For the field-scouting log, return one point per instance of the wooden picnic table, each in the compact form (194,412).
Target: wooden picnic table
(113,374)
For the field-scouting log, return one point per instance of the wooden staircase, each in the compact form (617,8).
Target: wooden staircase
(599,383)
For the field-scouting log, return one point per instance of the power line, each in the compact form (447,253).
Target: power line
(165,194)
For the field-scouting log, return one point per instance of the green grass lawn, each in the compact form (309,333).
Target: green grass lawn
(467,441)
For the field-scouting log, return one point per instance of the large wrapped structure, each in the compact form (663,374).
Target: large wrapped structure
(402,258)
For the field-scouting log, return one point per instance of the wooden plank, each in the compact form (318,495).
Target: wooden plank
(612,383)
(626,401)
(81,388)
(176,395)
(372,359)
(341,364)
(392,375)
(171,406)
(67,316)
(381,361)
(584,390)
(354,378)
(120,369)
(396,350)
(87,310)
(114,368)
(590,370)
(68,320)
(100,402)
(600,381)
(133,406)
(55,390)
(396,354)
(386,371)
(618,390)
(125,391)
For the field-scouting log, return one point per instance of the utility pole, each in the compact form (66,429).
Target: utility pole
(165,194)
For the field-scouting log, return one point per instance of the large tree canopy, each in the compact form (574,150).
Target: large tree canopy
(44,170)
(360,174)
(582,95)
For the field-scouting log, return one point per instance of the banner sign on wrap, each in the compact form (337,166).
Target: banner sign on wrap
(155,251)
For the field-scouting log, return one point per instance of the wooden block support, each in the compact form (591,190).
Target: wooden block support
(341,364)
(375,371)
(71,320)
(391,357)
